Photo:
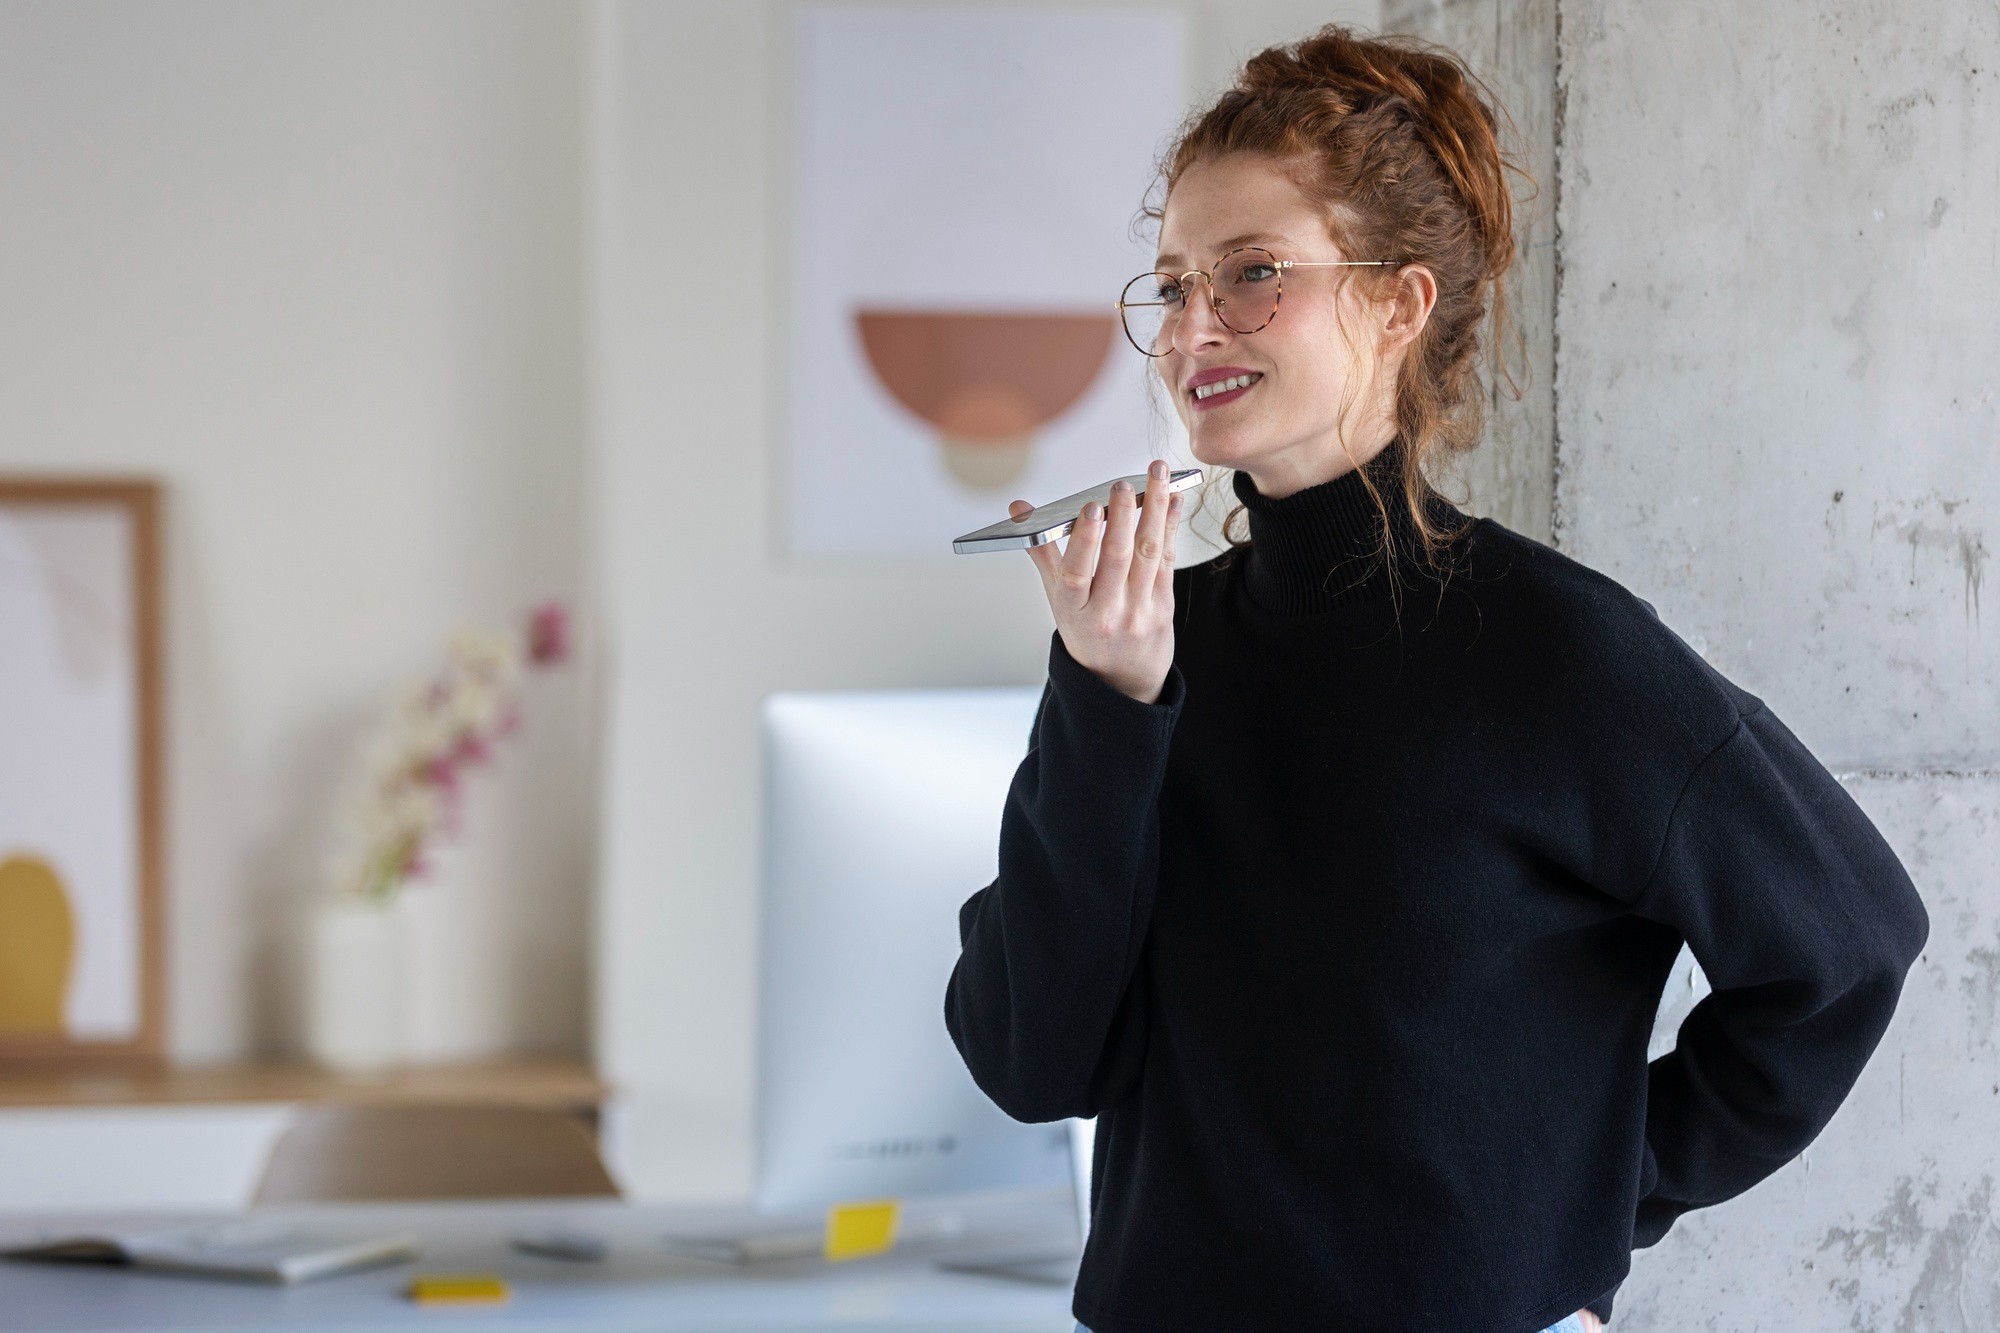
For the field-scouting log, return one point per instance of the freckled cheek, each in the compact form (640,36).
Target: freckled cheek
(1318,368)
(1298,370)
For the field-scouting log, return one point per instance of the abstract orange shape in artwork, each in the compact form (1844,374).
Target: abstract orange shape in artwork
(986,381)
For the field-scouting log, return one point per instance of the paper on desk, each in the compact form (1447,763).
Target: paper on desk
(250,1249)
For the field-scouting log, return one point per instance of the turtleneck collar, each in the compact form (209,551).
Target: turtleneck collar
(1321,547)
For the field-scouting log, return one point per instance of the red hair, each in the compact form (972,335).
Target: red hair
(1399,142)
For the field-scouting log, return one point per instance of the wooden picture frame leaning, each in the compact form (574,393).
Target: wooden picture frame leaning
(68,515)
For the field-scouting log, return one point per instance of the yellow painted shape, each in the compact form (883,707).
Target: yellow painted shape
(37,946)
(856,1230)
(459,1289)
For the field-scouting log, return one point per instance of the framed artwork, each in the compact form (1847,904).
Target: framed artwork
(966,188)
(80,771)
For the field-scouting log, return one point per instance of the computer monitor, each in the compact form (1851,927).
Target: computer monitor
(881,816)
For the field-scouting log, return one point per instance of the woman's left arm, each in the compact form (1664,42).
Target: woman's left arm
(1806,924)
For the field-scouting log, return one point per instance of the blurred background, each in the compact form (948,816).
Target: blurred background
(420,315)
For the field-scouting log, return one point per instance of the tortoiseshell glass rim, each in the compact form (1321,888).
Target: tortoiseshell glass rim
(1215,302)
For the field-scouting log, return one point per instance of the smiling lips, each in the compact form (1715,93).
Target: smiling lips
(1212,388)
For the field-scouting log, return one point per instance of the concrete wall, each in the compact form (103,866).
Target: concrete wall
(1511,45)
(317,266)
(1775,392)
(706,614)
(1774,416)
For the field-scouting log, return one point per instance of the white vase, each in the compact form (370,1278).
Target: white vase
(357,988)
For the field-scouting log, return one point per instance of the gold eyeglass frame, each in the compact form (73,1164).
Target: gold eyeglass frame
(1215,302)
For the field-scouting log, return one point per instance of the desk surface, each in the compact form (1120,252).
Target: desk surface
(640,1285)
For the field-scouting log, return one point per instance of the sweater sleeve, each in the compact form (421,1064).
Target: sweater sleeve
(1806,924)
(1040,1003)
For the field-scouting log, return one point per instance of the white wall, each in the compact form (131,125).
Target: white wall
(704,612)
(317,266)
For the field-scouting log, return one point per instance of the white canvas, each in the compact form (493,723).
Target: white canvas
(983,164)
(68,762)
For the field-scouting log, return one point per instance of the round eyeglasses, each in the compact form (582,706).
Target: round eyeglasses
(1244,288)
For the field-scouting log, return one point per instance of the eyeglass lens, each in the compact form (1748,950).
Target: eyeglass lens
(1245,286)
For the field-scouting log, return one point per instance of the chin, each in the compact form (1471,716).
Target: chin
(1220,449)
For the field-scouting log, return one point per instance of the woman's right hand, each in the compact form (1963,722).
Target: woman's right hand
(1112,587)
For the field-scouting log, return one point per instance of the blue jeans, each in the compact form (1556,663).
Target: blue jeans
(1568,1324)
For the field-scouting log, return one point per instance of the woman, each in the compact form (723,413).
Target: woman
(1344,871)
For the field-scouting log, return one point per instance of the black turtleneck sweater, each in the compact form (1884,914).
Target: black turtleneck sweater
(1353,940)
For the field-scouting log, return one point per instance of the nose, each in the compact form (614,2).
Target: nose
(1199,328)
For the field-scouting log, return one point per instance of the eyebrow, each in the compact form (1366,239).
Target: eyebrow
(1228,245)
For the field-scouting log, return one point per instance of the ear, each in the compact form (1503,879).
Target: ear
(1409,306)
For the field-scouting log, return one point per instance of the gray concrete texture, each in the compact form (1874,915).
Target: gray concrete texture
(1508,477)
(1770,312)
(1776,345)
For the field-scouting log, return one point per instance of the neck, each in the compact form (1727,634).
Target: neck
(1288,473)
(1323,546)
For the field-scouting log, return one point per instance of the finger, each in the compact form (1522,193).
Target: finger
(1080,555)
(1119,522)
(1044,555)
(1164,577)
(1150,529)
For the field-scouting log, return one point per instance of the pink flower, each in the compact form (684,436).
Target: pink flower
(472,749)
(548,633)
(420,786)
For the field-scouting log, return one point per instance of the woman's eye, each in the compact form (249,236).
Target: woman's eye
(1257,272)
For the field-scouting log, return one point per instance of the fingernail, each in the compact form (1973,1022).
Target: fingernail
(1159,467)
(1090,511)
(1122,486)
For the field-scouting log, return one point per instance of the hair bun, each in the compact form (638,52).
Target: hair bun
(1342,74)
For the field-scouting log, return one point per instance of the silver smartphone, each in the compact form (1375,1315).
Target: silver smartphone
(1047,522)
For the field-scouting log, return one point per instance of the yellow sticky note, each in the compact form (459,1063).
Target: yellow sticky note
(458,1289)
(855,1230)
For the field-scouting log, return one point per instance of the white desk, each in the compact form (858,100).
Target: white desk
(640,1285)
